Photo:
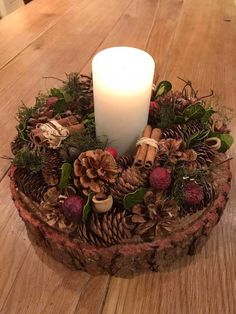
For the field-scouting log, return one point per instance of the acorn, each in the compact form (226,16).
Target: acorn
(214,143)
(102,203)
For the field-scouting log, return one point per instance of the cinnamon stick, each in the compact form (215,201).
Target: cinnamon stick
(76,128)
(142,149)
(38,138)
(151,151)
(71,120)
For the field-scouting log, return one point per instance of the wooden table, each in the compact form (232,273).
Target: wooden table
(188,38)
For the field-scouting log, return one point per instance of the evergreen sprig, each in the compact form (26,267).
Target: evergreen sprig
(196,138)
(73,85)
(183,175)
(28,159)
(25,113)
(83,141)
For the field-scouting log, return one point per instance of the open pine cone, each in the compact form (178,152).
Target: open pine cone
(94,170)
(157,213)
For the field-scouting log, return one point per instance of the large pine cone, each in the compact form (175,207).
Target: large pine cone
(129,181)
(106,230)
(31,184)
(95,170)
(51,166)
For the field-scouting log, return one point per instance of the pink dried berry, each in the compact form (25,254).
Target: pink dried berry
(193,194)
(73,208)
(153,107)
(160,179)
(51,101)
(112,151)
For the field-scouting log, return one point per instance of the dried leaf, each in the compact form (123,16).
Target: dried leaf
(66,170)
(87,206)
(162,88)
(134,198)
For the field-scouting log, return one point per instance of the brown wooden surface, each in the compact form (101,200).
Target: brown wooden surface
(188,38)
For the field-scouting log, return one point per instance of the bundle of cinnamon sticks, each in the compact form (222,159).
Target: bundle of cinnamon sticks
(71,123)
(147,148)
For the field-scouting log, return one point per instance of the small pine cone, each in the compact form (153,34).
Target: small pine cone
(208,192)
(95,170)
(110,228)
(51,166)
(129,181)
(183,131)
(175,132)
(124,162)
(16,145)
(140,217)
(158,204)
(175,98)
(209,195)
(205,154)
(31,184)
(192,127)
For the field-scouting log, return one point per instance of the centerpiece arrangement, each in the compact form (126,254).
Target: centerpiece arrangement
(101,204)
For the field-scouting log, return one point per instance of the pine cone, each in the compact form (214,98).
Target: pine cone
(175,98)
(175,132)
(51,166)
(31,184)
(94,170)
(157,214)
(87,236)
(183,131)
(129,181)
(205,154)
(201,179)
(124,162)
(80,87)
(106,230)
(17,144)
(169,150)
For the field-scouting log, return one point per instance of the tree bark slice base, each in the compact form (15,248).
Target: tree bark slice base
(123,260)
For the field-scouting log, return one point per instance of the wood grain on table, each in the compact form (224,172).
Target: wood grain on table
(192,39)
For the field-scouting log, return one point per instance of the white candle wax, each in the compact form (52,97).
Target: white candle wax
(122,86)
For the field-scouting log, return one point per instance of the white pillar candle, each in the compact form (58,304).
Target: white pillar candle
(122,86)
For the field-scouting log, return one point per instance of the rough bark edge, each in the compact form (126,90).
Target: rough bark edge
(123,260)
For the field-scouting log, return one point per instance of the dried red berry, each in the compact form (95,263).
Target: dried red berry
(51,101)
(73,208)
(112,151)
(160,179)
(193,194)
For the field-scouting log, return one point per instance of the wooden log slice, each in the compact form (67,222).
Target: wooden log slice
(127,259)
